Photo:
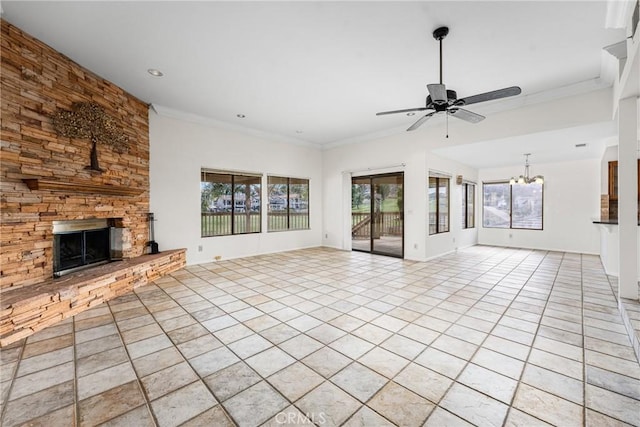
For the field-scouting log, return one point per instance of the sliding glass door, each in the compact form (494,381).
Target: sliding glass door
(361,214)
(377,214)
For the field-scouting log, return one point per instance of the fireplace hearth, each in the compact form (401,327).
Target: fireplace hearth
(80,244)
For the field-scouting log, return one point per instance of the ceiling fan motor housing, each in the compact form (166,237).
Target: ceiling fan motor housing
(452,98)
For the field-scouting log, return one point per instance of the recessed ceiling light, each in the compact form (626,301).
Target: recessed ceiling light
(154,72)
(411,114)
(240,116)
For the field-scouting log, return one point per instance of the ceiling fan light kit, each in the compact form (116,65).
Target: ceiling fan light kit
(443,100)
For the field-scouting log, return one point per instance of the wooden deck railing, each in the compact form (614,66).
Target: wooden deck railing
(219,223)
(385,224)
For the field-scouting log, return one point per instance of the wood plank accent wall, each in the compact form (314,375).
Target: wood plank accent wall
(35,80)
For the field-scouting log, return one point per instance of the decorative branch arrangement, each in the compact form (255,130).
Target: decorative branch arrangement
(89,120)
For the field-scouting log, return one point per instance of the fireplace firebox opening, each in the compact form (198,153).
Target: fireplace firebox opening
(80,244)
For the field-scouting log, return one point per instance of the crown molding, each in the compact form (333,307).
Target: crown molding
(210,122)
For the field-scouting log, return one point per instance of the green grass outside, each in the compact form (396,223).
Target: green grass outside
(388,205)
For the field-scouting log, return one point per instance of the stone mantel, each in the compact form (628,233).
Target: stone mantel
(78,186)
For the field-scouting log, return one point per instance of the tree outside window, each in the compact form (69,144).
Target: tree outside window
(229,204)
(288,203)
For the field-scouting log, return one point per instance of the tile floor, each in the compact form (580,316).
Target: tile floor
(487,336)
(630,310)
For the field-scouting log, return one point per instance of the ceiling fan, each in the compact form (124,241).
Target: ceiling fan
(443,100)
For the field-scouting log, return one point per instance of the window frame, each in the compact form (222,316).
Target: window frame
(465,202)
(511,227)
(437,204)
(233,208)
(288,198)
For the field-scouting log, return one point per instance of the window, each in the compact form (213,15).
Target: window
(496,207)
(526,206)
(229,203)
(468,205)
(512,206)
(438,205)
(288,203)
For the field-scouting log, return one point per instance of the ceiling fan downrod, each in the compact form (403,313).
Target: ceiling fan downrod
(439,34)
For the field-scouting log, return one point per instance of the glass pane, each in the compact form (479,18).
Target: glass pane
(388,215)
(246,209)
(496,202)
(298,204)
(527,206)
(68,251)
(471,211)
(277,210)
(463,216)
(96,246)
(361,214)
(215,204)
(443,205)
(432,205)
(613,173)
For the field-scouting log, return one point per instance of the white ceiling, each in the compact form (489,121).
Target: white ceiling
(318,71)
(574,143)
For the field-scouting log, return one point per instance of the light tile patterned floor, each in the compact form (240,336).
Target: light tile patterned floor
(630,310)
(487,336)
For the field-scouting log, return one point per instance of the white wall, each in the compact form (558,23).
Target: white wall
(571,203)
(179,149)
(457,237)
(387,155)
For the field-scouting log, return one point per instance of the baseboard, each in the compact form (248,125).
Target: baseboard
(542,249)
(253,254)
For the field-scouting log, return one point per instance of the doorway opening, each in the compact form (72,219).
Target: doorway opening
(377,214)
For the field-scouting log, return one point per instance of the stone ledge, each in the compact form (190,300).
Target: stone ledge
(26,310)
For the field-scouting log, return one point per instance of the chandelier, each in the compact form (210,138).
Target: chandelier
(524,179)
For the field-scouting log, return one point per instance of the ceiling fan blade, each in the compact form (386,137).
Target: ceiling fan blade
(408,110)
(466,115)
(420,121)
(490,96)
(438,93)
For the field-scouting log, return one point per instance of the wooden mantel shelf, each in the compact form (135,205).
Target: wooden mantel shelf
(80,187)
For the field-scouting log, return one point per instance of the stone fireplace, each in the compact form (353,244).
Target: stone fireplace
(47,190)
(56,214)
